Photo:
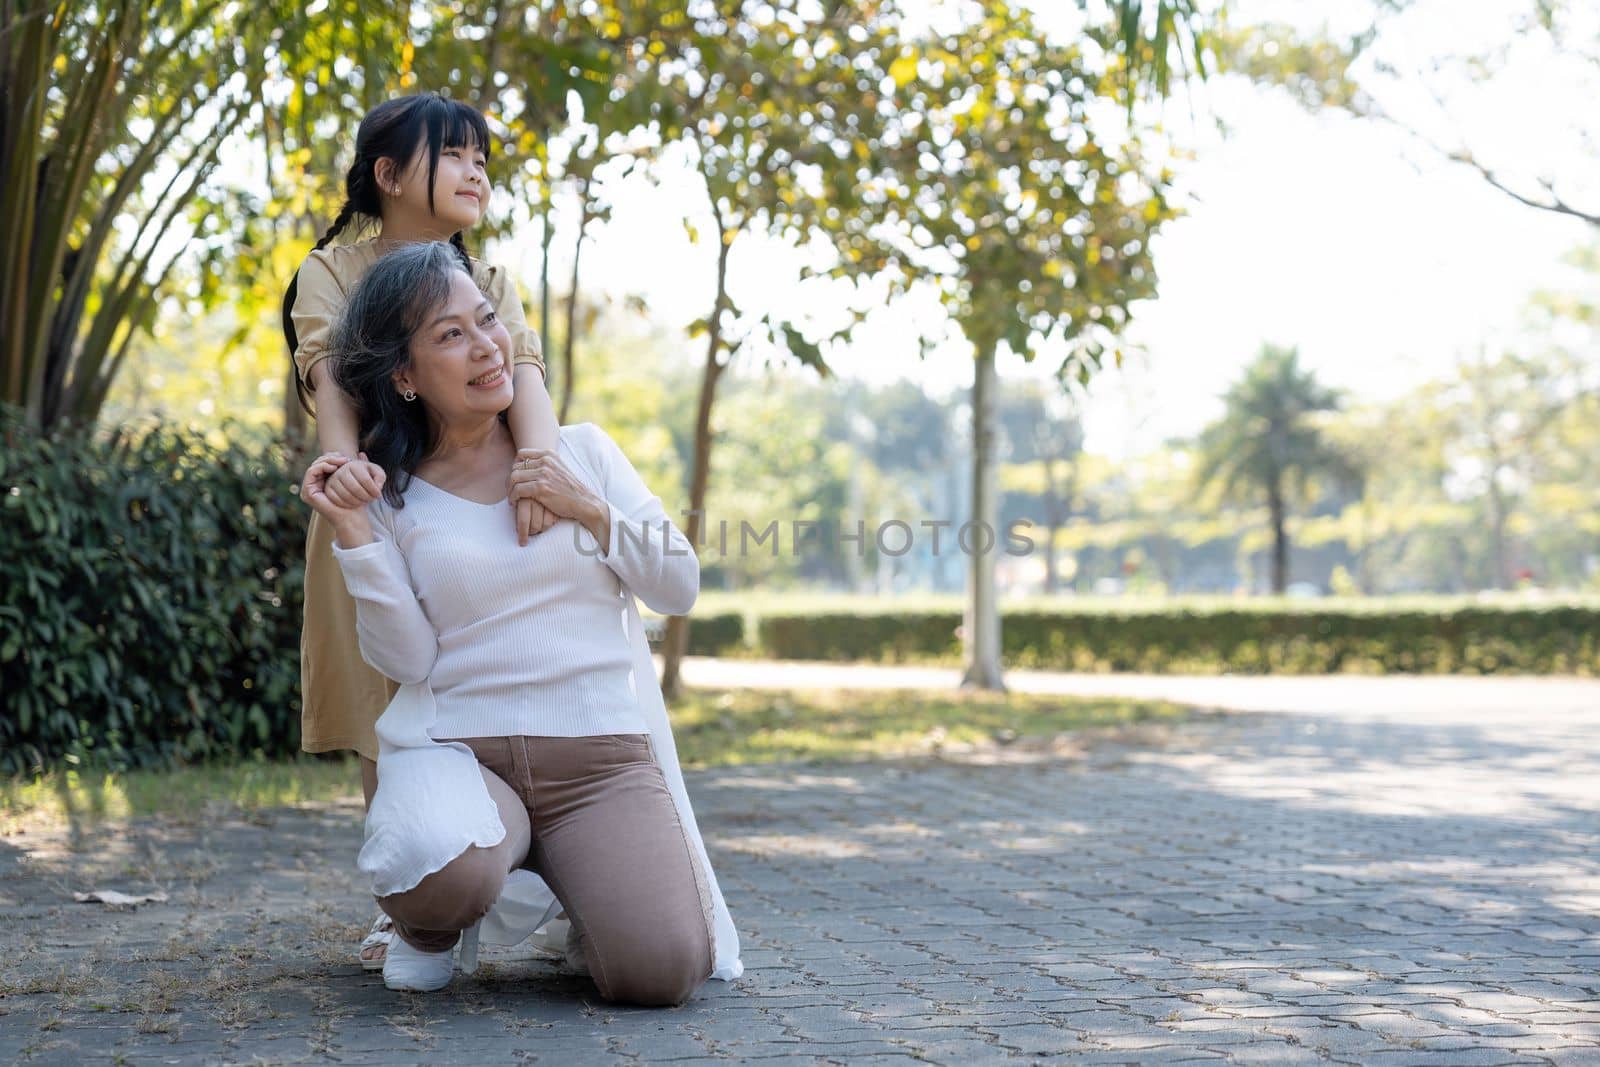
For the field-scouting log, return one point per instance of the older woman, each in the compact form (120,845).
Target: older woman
(529,730)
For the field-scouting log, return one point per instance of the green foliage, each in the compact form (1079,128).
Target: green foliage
(1314,70)
(110,147)
(892,637)
(1260,639)
(721,634)
(150,593)
(1270,444)
(996,177)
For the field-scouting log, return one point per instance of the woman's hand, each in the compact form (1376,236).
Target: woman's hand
(539,474)
(350,523)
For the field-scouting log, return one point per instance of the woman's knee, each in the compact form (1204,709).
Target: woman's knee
(453,897)
(659,971)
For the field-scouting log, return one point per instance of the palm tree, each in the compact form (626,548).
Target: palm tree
(1269,444)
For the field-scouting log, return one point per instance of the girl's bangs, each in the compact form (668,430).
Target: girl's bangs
(461,126)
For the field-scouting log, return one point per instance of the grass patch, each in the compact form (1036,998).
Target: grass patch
(716,728)
(713,728)
(66,797)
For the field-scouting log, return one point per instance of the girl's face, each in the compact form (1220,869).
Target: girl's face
(460,357)
(460,188)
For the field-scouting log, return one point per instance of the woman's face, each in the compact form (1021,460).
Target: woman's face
(460,188)
(460,357)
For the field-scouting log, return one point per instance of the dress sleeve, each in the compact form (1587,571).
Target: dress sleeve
(647,552)
(502,293)
(319,298)
(396,637)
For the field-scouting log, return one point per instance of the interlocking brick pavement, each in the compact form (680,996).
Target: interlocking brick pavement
(1386,877)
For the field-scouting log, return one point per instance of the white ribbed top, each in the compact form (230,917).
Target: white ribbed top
(519,640)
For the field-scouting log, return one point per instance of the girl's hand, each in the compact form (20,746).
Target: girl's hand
(539,474)
(355,484)
(533,517)
(350,524)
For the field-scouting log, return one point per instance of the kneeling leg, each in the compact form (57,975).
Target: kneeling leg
(431,914)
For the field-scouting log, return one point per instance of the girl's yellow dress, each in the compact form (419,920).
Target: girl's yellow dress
(341,696)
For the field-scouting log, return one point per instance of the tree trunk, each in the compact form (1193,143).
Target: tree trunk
(1497,535)
(982,642)
(569,357)
(1052,585)
(1280,539)
(1053,525)
(676,643)
(854,559)
(544,256)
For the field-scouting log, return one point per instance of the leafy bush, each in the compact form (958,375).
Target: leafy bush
(150,589)
(716,635)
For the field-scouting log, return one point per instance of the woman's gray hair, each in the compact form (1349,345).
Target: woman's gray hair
(372,341)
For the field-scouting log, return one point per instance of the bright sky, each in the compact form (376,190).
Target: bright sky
(1348,238)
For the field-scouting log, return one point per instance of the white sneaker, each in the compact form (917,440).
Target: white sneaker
(412,970)
(550,940)
(576,962)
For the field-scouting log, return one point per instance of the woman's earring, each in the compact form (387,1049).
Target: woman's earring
(409,395)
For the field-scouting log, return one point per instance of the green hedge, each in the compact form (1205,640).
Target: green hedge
(1557,639)
(149,598)
(892,637)
(717,635)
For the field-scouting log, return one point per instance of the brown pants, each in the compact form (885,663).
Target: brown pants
(593,817)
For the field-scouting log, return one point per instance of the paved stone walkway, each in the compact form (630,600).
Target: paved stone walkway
(1360,878)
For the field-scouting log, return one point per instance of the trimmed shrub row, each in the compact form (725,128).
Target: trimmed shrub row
(1557,639)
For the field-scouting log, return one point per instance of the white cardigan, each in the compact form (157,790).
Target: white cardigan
(431,804)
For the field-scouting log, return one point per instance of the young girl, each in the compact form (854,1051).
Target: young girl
(419,175)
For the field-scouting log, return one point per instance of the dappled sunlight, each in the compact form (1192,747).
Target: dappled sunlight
(1528,771)
(799,783)
(806,845)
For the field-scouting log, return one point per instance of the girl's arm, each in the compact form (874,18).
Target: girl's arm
(318,301)
(531,418)
(338,428)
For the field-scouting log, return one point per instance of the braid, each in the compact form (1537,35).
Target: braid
(290,335)
(461,252)
(346,213)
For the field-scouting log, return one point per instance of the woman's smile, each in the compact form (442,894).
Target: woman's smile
(490,379)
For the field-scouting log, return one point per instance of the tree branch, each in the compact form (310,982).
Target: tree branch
(1554,204)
